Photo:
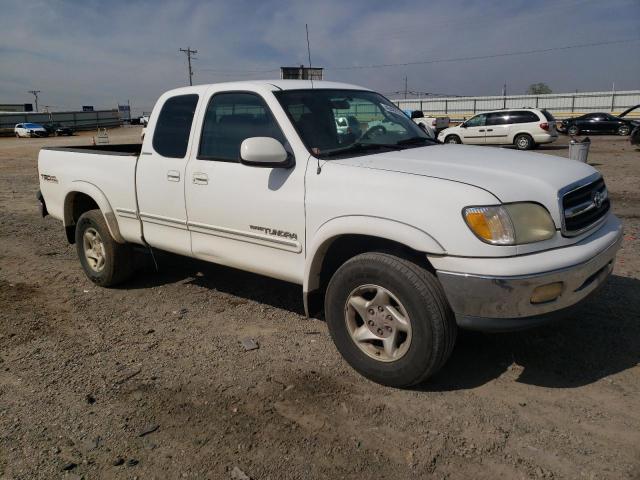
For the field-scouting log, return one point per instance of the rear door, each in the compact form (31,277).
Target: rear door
(473,131)
(160,176)
(497,128)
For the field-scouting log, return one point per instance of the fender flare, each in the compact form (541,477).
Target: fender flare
(98,196)
(388,229)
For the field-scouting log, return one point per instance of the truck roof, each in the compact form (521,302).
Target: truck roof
(273,85)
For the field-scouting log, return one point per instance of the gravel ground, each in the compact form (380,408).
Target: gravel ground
(150,381)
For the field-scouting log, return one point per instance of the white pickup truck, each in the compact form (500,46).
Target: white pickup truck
(437,124)
(401,239)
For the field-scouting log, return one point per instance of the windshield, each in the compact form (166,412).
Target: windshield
(32,125)
(335,122)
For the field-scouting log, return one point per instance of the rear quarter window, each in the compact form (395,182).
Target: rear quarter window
(524,116)
(171,134)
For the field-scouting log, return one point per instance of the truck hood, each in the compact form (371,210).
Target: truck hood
(510,175)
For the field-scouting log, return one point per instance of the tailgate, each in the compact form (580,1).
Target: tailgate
(442,122)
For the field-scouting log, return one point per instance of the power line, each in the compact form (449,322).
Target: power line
(189,52)
(35,94)
(441,60)
(482,57)
(236,72)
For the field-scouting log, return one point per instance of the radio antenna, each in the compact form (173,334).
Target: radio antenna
(306,26)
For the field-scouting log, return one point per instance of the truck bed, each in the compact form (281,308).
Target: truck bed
(105,173)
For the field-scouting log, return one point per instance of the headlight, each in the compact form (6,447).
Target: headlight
(510,224)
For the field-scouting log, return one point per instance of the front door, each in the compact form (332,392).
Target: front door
(474,130)
(160,176)
(244,216)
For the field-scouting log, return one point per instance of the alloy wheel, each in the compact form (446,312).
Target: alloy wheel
(378,323)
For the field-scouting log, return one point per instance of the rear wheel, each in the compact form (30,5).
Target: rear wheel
(390,319)
(105,261)
(523,142)
(624,130)
(452,139)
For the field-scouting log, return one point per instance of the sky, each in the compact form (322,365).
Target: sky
(107,52)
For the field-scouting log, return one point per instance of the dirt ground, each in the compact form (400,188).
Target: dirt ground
(149,380)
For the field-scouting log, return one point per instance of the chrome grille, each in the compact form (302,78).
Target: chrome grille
(584,207)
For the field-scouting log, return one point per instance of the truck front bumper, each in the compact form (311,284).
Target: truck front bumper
(514,302)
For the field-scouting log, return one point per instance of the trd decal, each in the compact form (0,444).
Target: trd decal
(49,178)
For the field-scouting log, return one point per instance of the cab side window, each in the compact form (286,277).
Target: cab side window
(171,134)
(230,119)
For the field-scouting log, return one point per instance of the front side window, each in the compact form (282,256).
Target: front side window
(372,122)
(477,121)
(230,119)
(171,135)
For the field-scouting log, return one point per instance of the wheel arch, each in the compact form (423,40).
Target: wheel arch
(85,196)
(344,237)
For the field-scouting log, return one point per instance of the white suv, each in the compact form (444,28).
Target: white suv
(525,128)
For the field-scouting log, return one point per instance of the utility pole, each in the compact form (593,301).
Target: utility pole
(189,52)
(504,95)
(35,94)
(405,87)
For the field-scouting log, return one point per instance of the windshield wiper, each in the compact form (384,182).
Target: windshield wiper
(360,147)
(414,141)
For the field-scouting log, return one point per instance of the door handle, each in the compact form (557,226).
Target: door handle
(481,130)
(200,178)
(489,129)
(173,176)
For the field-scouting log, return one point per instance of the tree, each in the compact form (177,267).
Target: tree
(539,88)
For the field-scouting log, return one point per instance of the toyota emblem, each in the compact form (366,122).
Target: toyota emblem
(598,198)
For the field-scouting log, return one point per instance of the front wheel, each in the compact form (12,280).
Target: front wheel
(390,319)
(452,139)
(624,130)
(105,261)
(573,130)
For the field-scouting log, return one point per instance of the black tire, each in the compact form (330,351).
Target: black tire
(118,260)
(573,130)
(453,139)
(523,141)
(433,326)
(624,130)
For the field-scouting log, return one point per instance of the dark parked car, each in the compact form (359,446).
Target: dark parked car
(635,136)
(58,129)
(599,123)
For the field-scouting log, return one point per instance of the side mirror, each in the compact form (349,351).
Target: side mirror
(463,125)
(264,152)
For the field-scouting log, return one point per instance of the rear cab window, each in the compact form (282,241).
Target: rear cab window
(172,130)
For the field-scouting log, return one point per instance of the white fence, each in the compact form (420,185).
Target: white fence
(562,105)
(77,120)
